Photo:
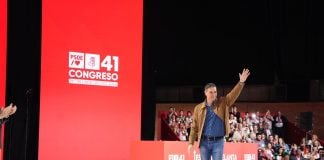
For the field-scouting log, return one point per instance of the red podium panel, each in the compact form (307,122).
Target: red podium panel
(176,150)
(3,58)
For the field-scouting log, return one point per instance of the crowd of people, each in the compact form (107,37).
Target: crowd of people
(266,130)
(180,123)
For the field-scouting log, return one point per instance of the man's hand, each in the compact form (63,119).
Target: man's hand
(244,75)
(190,147)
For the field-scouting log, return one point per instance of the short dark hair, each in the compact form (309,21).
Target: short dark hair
(209,85)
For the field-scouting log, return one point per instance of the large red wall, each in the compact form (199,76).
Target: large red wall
(95,117)
(3,49)
(3,53)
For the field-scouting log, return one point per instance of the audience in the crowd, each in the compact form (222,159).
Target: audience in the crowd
(265,130)
(180,123)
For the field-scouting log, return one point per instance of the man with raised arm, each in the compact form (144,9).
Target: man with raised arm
(211,120)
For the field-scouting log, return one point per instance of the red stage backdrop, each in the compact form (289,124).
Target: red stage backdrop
(91,67)
(3,53)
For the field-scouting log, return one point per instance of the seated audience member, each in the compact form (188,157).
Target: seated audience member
(261,128)
(188,121)
(267,129)
(232,119)
(171,113)
(293,152)
(317,144)
(268,152)
(182,132)
(181,116)
(238,133)
(302,144)
(315,154)
(268,119)
(189,117)
(172,119)
(281,155)
(260,141)
(263,136)
(245,129)
(253,133)
(314,137)
(283,145)
(236,113)
(247,115)
(306,153)
(270,139)
(255,119)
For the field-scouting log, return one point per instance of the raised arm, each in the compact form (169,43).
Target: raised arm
(235,92)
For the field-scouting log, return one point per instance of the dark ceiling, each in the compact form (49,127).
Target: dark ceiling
(194,42)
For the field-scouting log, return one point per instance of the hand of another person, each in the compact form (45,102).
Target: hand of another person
(13,110)
(7,111)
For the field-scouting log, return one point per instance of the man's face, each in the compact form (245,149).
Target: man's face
(211,93)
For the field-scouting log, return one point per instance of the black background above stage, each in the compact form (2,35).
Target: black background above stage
(194,42)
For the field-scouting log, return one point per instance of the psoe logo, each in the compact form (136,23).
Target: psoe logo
(92,69)
(76,60)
